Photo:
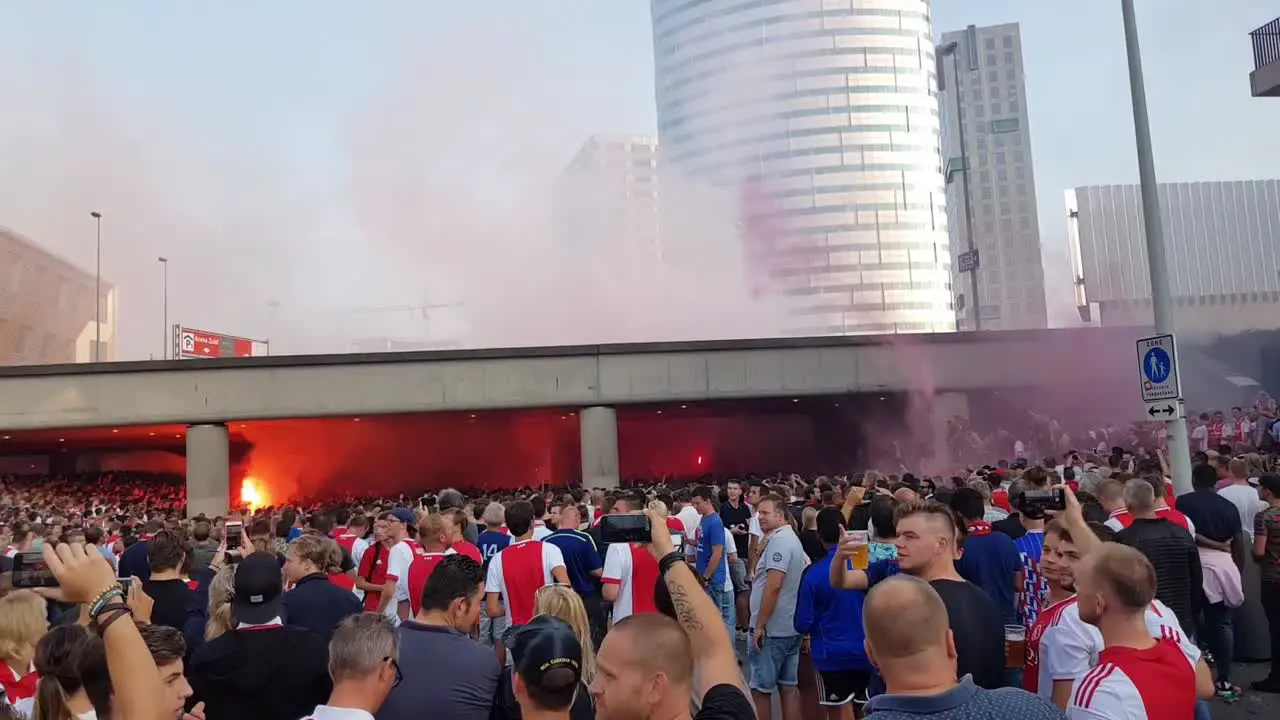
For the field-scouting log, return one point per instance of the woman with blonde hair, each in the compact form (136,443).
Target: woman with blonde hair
(23,621)
(559,601)
(221,591)
(562,602)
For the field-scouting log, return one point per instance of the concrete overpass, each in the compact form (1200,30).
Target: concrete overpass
(206,394)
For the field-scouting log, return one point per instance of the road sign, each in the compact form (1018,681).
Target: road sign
(1164,410)
(968,261)
(1158,369)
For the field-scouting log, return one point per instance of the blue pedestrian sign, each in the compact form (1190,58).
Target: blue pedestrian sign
(1158,369)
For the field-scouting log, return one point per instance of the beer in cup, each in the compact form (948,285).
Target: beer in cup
(861,550)
(1015,646)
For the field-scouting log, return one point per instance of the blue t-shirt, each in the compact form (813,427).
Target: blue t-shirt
(294,533)
(492,542)
(580,558)
(990,561)
(965,701)
(711,533)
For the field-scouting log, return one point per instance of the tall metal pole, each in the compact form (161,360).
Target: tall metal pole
(968,201)
(97,313)
(1161,297)
(164,330)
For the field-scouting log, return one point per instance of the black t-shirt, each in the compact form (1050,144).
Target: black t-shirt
(741,517)
(1214,516)
(172,600)
(726,702)
(978,630)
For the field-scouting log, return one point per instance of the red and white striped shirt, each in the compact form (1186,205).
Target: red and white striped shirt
(18,687)
(424,563)
(1122,519)
(518,571)
(632,568)
(1130,684)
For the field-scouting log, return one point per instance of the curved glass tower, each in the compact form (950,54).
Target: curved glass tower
(821,118)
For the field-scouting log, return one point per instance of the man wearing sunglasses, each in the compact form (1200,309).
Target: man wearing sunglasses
(364,663)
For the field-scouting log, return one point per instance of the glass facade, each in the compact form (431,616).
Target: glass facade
(821,117)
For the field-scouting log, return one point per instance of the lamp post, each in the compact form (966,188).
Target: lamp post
(97,298)
(952,48)
(1161,296)
(164,330)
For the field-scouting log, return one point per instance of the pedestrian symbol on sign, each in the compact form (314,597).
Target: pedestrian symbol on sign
(1157,365)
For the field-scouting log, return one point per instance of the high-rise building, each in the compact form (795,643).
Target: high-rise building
(47,308)
(1223,241)
(981,85)
(606,199)
(819,121)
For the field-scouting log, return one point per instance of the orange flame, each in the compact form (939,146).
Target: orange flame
(251,494)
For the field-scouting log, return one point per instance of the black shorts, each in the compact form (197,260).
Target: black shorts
(841,687)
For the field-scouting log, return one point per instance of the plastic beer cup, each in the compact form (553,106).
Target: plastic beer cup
(861,552)
(1015,646)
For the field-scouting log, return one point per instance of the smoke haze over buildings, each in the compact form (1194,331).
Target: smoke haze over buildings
(421,179)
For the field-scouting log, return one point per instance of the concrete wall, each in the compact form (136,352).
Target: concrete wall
(318,386)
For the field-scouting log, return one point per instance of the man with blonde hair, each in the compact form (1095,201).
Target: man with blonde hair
(910,640)
(928,544)
(1136,675)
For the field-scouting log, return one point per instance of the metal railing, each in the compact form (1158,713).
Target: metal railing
(1266,44)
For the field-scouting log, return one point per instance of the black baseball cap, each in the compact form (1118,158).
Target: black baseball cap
(259,589)
(547,655)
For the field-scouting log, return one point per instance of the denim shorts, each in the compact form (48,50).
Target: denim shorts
(776,663)
(492,629)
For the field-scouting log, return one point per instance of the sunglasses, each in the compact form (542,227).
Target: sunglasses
(395,665)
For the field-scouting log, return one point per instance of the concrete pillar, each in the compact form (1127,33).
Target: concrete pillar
(208,470)
(598,431)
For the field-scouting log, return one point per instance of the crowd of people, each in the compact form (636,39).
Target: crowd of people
(1077,586)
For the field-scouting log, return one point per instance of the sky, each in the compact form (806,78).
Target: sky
(308,165)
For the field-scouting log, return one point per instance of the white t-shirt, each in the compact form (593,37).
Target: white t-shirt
(517,572)
(398,561)
(1248,504)
(1069,646)
(540,531)
(619,569)
(690,518)
(1200,438)
(328,712)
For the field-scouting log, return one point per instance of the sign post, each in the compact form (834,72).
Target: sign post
(1158,378)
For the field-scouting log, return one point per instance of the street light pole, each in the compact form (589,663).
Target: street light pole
(164,330)
(97,297)
(953,49)
(1161,296)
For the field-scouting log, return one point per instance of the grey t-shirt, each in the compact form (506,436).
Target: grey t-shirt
(965,701)
(782,551)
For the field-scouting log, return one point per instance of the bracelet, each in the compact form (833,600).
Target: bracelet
(112,593)
(120,612)
(110,607)
(667,561)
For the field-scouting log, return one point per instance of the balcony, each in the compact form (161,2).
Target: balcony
(1265,79)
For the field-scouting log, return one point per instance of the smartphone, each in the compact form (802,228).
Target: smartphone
(124,583)
(31,571)
(625,529)
(1055,499)
(234,532)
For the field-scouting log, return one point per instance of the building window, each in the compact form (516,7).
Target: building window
(1014,107)
(1006,125)
(995,108)
(1001,174)
(1019,157)
(993,76)
(987,193)
(1008,58)
(991,59)
(1008,42)
(979,111)
(1020,172)
(989,43)
(995,92)
(1011,74)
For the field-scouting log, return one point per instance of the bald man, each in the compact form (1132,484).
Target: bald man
(909,639)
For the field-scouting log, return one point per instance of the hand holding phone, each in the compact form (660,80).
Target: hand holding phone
(31,571)
(625,529)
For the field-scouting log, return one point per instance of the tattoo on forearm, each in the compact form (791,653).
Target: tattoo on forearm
(685,613)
